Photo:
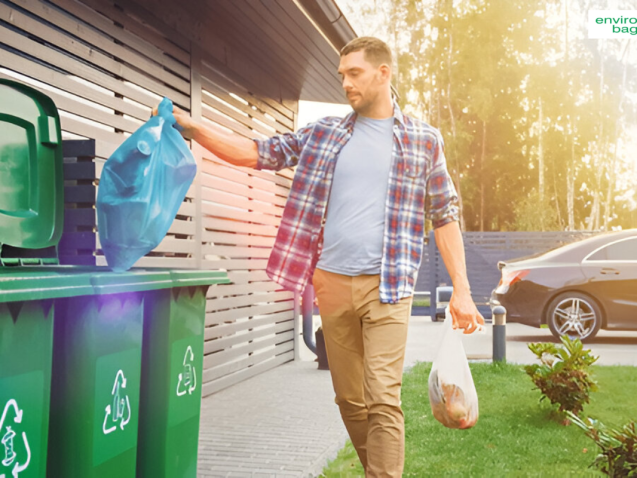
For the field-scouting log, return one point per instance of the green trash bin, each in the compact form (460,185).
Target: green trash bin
(88,357)
(95,395)
(27,309)
(31,215)
(112,412)
(172,364)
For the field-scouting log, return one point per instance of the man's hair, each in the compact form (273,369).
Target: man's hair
(376,51)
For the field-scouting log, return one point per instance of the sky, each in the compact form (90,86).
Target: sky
(310,111)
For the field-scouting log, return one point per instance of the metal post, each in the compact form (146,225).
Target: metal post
(433,275)
(499,334)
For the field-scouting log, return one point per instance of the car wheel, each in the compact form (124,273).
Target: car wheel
(574,314)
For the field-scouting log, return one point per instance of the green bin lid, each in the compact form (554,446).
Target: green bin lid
(40,283)
(56,282)
(106,281)
(31,168)
(193,278)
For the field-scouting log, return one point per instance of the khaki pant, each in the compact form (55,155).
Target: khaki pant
(365,344)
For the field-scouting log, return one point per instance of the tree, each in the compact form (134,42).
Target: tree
(531,110)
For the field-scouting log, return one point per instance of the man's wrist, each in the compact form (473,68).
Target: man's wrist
(462,287)
(194,130)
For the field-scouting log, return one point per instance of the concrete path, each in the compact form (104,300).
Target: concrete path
(613,348)
(284,423)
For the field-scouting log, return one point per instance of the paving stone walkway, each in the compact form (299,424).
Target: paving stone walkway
(282,423)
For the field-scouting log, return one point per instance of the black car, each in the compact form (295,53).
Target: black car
(576,289)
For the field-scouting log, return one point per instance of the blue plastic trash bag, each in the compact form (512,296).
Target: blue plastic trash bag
(141,188)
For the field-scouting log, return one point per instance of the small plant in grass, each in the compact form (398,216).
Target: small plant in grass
(618,447)
(563,375)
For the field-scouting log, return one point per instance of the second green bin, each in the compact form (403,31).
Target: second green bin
(95,392)
(172,363)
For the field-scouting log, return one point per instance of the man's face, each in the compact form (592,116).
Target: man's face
(363,82)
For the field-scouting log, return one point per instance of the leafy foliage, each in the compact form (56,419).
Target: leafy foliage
(563,375)
(515,87)
(534,213)
(618,447)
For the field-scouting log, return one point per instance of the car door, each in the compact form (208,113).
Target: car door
(611,271)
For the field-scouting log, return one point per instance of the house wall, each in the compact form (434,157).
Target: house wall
(106,64)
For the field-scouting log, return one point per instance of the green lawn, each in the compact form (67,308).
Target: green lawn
(515,435)
(420,303)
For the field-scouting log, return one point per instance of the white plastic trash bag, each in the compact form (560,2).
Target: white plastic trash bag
(452,393)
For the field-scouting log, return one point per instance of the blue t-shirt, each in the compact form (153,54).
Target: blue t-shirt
(355,221)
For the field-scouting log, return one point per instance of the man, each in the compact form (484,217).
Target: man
(380,172)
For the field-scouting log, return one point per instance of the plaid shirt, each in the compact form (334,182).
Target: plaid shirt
(419,187)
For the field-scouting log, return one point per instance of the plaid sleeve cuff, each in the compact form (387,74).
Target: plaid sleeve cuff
(266,159)
(449,214)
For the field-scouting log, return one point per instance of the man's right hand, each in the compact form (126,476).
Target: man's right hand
(184,120)
(230,147)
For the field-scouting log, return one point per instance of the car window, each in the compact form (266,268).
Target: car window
(566,248)
(619,251)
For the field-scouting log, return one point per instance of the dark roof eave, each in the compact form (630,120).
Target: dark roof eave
(329,17)
(331,20)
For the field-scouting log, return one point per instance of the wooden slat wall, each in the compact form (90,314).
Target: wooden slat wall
(106,63)
(249,323)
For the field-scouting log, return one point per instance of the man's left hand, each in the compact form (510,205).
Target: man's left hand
(465,313)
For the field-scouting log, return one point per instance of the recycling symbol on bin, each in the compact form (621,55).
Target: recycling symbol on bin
(119,414)
(8,440)
(188,378)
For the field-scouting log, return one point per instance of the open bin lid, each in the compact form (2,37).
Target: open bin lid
(31,168)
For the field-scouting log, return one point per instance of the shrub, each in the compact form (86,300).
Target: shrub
(563,375)
(618,447)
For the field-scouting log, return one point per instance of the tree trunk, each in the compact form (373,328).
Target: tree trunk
(611,183)
(570,189)
(540,155)
(484,142)
(570,165)
(557,202)
(393,27)
(593,224)
(453,125)
(608,207)
(598,158)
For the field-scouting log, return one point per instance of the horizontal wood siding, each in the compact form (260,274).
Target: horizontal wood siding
(250,323)
(106,63)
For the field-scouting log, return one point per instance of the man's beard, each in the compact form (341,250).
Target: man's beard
(361,105)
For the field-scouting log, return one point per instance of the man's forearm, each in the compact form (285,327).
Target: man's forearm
(451,247)
(232,148)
